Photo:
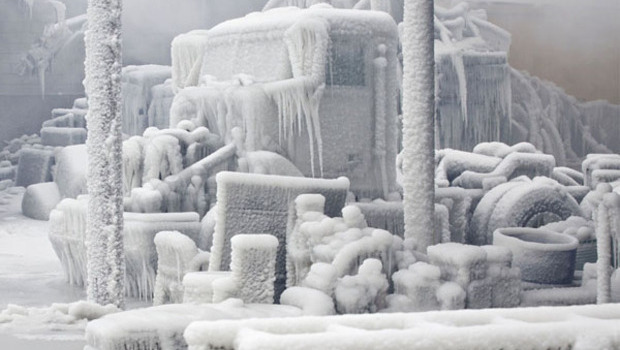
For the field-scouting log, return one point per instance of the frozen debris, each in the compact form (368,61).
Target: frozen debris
(452,163)
(140,250)
(187,53)
(34,166)
(513,165)
(161,101)
(267,163)
(62,136)
(40,199)
(458,262)
(253,260)
(364,292)
(198,286)
(7,171)
(501,150)
(260,203)
(543,256)
(68,118)
(451,296)
(67,235)
(133,165)
(137,82)
(176,255)
(70,170)
(311,301)
(417,287)
(322,277)
(308,207)
(162,157)
(521,204)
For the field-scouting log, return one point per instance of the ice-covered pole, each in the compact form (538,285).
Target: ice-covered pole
(418,122)
(606,228)
(104,246)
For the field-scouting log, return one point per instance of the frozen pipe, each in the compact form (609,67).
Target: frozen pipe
(253,265)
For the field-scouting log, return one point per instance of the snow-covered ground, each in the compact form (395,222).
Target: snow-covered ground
(35,299)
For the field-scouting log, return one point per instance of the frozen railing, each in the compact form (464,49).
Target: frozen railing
(575,327)
(188,190)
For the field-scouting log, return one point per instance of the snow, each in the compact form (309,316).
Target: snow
(162,326)
(535,328)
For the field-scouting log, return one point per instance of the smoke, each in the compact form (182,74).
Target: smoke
(573,43)
(150,25)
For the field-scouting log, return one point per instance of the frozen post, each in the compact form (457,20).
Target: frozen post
(418,122)
(104,247)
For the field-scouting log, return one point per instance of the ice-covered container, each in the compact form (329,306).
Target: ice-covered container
(544,256)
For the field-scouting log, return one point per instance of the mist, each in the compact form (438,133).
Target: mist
(150,25)
(573,43)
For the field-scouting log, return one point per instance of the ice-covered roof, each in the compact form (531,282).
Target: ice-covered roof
(285,17)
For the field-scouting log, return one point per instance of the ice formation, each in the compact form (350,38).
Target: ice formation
(68,237)
(137,84)
(295,65)
(251,203)
(364,292)
(176,255)
(544,257)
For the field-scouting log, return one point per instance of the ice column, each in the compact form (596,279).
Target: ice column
(606,222)
(102,83)
(418,122)
(253,267)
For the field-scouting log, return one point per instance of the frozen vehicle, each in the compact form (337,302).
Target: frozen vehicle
(317,85)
